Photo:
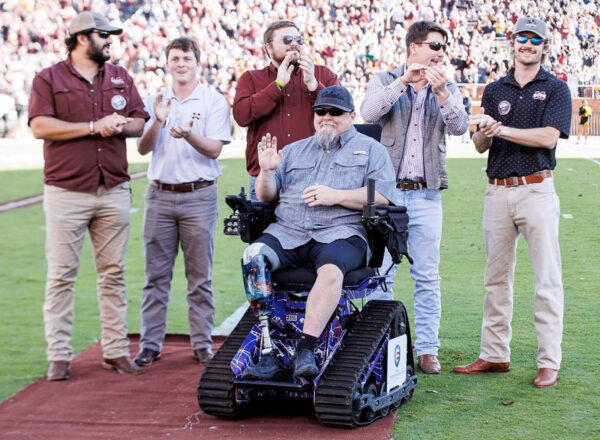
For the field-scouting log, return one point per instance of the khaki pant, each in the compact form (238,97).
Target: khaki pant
(534,211)
(106,215)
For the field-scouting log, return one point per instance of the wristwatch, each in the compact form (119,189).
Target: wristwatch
(92,132)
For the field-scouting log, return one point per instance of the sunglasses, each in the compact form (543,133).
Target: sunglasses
(435,45)
(102,34)
(333,111)
(536,41)
(287,39)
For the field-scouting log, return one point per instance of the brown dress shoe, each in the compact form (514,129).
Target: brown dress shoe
(481,366)
(123,365)
(428,364)
(546,377)
(203,355)
(59,370)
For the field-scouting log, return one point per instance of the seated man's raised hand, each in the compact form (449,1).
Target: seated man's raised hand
(268,156)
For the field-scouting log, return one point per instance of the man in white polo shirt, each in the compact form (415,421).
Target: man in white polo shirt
(188,126)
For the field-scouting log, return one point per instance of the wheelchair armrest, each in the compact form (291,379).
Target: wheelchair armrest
(249,219)
(381,210)
(387,226)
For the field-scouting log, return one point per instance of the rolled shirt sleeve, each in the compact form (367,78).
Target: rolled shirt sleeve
(454,114)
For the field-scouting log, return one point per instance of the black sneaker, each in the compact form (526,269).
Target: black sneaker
(305,364)
(146,357)
(267,368)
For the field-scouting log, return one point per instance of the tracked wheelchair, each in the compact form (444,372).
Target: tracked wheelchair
(365,360)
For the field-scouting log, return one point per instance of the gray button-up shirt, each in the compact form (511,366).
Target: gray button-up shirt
(347,164)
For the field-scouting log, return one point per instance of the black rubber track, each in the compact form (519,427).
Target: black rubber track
(335,393)
(216,389)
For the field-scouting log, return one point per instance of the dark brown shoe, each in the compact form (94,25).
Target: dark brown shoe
(546,377)
(59,370)
(429,364)
(203,355)
(123,365)
(481,366)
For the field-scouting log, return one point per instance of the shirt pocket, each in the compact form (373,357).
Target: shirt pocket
(349,171)
(73,105)
(300,173)
(115,99)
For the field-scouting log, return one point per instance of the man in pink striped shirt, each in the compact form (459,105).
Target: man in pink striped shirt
(415,106)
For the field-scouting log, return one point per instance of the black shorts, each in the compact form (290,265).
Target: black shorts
(347,254)
(584,120)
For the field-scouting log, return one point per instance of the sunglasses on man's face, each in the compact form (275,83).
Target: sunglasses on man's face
(287,39)
(102,34)
(320,111)
(435,45)
(536,41)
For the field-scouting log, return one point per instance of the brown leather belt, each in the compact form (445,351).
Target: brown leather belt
(522,180)
(409,186)
(182,187)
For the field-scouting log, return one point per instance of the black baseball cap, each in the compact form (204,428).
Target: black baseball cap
(335,96)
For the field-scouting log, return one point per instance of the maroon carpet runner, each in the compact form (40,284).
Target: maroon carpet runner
(161,404)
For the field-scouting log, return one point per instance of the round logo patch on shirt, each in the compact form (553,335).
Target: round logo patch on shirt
(118,102)
(503,107)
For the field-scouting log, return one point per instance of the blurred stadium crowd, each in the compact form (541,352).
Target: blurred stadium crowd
(355,38)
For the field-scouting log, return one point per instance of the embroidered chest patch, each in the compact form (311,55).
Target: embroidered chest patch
(118,102)
(540,94)
(503,107)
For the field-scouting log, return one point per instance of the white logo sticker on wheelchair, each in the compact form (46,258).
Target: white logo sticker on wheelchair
(396,362)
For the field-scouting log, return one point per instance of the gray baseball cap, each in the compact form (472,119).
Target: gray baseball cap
(87,21)
(335,96)
(530,24)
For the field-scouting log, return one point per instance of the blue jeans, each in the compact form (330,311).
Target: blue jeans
(253,197)
(424,236)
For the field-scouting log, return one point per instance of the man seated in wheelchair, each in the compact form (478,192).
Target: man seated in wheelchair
(320,186)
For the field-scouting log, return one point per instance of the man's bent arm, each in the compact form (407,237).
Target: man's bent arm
(379,99)
(357,198)
(544,137)
(53,129)
(266,186)
(148,141)
(134,128)
(249,105)
(209,147)
(482,142)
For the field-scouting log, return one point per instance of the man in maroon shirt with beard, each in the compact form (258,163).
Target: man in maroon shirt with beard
(84,108)
(278,99)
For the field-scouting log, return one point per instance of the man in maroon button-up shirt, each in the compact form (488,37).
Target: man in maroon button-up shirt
(84,108)
(278,99)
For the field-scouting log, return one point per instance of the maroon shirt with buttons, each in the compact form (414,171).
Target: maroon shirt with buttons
(286,114)
(82,164)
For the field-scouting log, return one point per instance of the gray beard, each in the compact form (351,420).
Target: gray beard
(325,138)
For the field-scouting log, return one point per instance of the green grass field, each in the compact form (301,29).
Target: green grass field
(443,406)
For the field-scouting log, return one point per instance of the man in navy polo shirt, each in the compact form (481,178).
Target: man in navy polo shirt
(524,115)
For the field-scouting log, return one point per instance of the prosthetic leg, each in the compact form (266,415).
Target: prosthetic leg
(259,291)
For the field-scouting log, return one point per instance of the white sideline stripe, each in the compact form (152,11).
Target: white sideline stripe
(38,198)
(227,326)
(575,151)
(16,204)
